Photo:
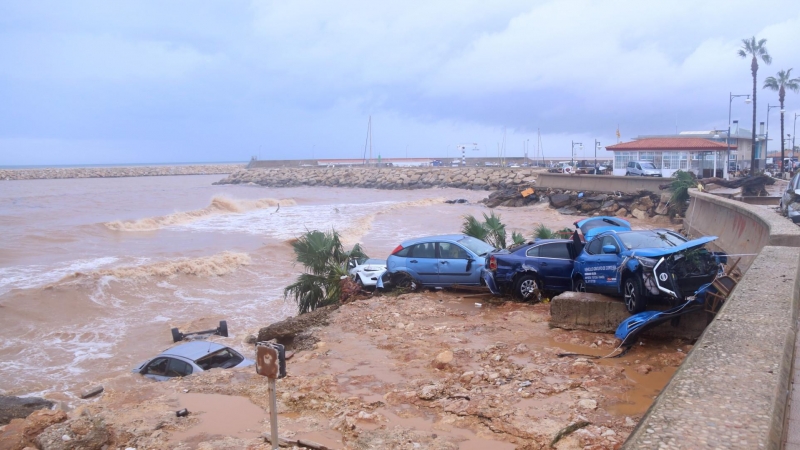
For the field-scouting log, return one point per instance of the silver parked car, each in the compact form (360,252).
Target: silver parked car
(366,271)
(790,202)
(642,169)
(191,357)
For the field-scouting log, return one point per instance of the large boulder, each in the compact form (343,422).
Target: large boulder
(559,200)
(82,433)
(285,330)
(21,433)
(20,407)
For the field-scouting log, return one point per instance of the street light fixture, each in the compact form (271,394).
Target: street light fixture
(596,144)
(766,136)
(580,146)
(794,132)
(731,96)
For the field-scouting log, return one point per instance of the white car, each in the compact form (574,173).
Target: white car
(790,202)
(366,272)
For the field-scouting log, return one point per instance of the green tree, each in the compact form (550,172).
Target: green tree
(492,230)
(680,192)
(756,49)
(780,83)
(325,261)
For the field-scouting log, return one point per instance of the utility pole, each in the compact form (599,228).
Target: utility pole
(596,144)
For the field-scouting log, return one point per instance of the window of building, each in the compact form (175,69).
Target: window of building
(621,159)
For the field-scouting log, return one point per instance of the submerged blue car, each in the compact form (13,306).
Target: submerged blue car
(526,271)
(645,264)
(438,261)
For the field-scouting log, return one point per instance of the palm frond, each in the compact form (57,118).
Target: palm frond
(542,232)
(496,230)
(472,227)
(517,238)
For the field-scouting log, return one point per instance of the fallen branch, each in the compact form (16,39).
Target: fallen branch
(566,431)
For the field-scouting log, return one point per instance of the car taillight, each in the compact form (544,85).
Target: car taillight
(492,263)
(399,247)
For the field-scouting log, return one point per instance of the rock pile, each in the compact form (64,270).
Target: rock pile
(480,178)
(641,205)
(116,172)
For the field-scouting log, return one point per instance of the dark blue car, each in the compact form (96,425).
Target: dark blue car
(544,265)
(645,264)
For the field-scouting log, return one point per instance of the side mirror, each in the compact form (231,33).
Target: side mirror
(609,249)
(469,263)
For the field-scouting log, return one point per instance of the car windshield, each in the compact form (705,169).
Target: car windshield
(647,165)
(592,224)
(476,246)
(650,239)
(224,358)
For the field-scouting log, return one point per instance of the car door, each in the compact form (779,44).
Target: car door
(423,264)
(555,266)
(157,369)
(455,266)
(178,368)
(600,269)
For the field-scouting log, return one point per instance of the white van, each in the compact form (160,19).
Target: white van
(642,169)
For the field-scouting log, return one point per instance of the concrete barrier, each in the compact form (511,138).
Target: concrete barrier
(599,183)
(599,313)
(732,389)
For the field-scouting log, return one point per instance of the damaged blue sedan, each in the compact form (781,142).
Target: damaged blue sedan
(529,270)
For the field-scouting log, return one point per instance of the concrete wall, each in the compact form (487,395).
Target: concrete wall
(733,387)
(599,183)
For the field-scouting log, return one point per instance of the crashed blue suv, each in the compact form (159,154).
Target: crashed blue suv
(645,264)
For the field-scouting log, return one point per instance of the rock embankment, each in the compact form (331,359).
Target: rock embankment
(640,205)
(116,172)
(481,178)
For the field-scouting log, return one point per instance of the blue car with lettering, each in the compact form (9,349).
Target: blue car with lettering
(528,270)
(645,264)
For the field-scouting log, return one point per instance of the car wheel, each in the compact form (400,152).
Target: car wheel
(404,280)
(528,288)
(633,294)
(578,285)
(627,174)
(359,283)
(223,328)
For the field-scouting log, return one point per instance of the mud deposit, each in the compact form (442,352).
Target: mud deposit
(421,370)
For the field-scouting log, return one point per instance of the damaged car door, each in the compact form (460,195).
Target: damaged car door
(598,265)
(454,264)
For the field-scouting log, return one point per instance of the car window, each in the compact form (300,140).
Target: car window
(648,165)
(638,166)
(157,366)
(476,246)
(609,240)
(425,250)
(533,252)
(404,252)
(178,368)
(595,247)
(224,358)
(558,250)
(449,250)
(650,239)
(630,164)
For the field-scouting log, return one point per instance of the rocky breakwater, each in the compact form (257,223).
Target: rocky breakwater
(641,205)
(481,178)
(116,172)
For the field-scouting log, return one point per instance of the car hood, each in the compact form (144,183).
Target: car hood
(657,252)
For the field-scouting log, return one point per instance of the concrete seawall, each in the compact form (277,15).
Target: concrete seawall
(600,183)
(116,172)
(732,389)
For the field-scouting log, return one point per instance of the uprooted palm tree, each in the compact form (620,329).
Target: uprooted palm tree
(325,261)
(491,230)
(680,192)
(780,83)
(756,49)
(543,232)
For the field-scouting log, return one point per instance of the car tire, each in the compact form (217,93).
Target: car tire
(223,328)
(528,288)
(578,285)
(404,280)
(633,294)
(177,336)
(359,282)
(627,174)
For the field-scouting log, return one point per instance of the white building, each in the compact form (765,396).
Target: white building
(704,157)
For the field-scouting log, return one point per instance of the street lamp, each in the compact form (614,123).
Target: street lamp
(580,146)
(794,132)
(731,96)
(766,136)
(596,144)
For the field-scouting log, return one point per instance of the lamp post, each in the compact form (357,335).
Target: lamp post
(580,146)
(794,132)
(766,136)
(731,96)
(596,144)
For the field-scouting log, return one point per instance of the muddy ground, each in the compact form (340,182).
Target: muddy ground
(429,370)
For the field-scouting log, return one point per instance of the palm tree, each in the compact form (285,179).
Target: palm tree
(780,83)
(756,50)
(491,230)
(325,263)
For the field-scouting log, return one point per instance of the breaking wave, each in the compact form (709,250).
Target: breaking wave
(361,226)
(219,205)
(206,266)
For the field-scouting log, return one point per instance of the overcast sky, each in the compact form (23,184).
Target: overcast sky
(192,81)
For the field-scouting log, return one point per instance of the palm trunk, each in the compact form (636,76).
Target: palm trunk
(782,95)
(754,70)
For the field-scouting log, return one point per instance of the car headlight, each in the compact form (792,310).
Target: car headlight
(646,262)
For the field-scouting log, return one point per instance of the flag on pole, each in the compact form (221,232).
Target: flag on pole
(618,135)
